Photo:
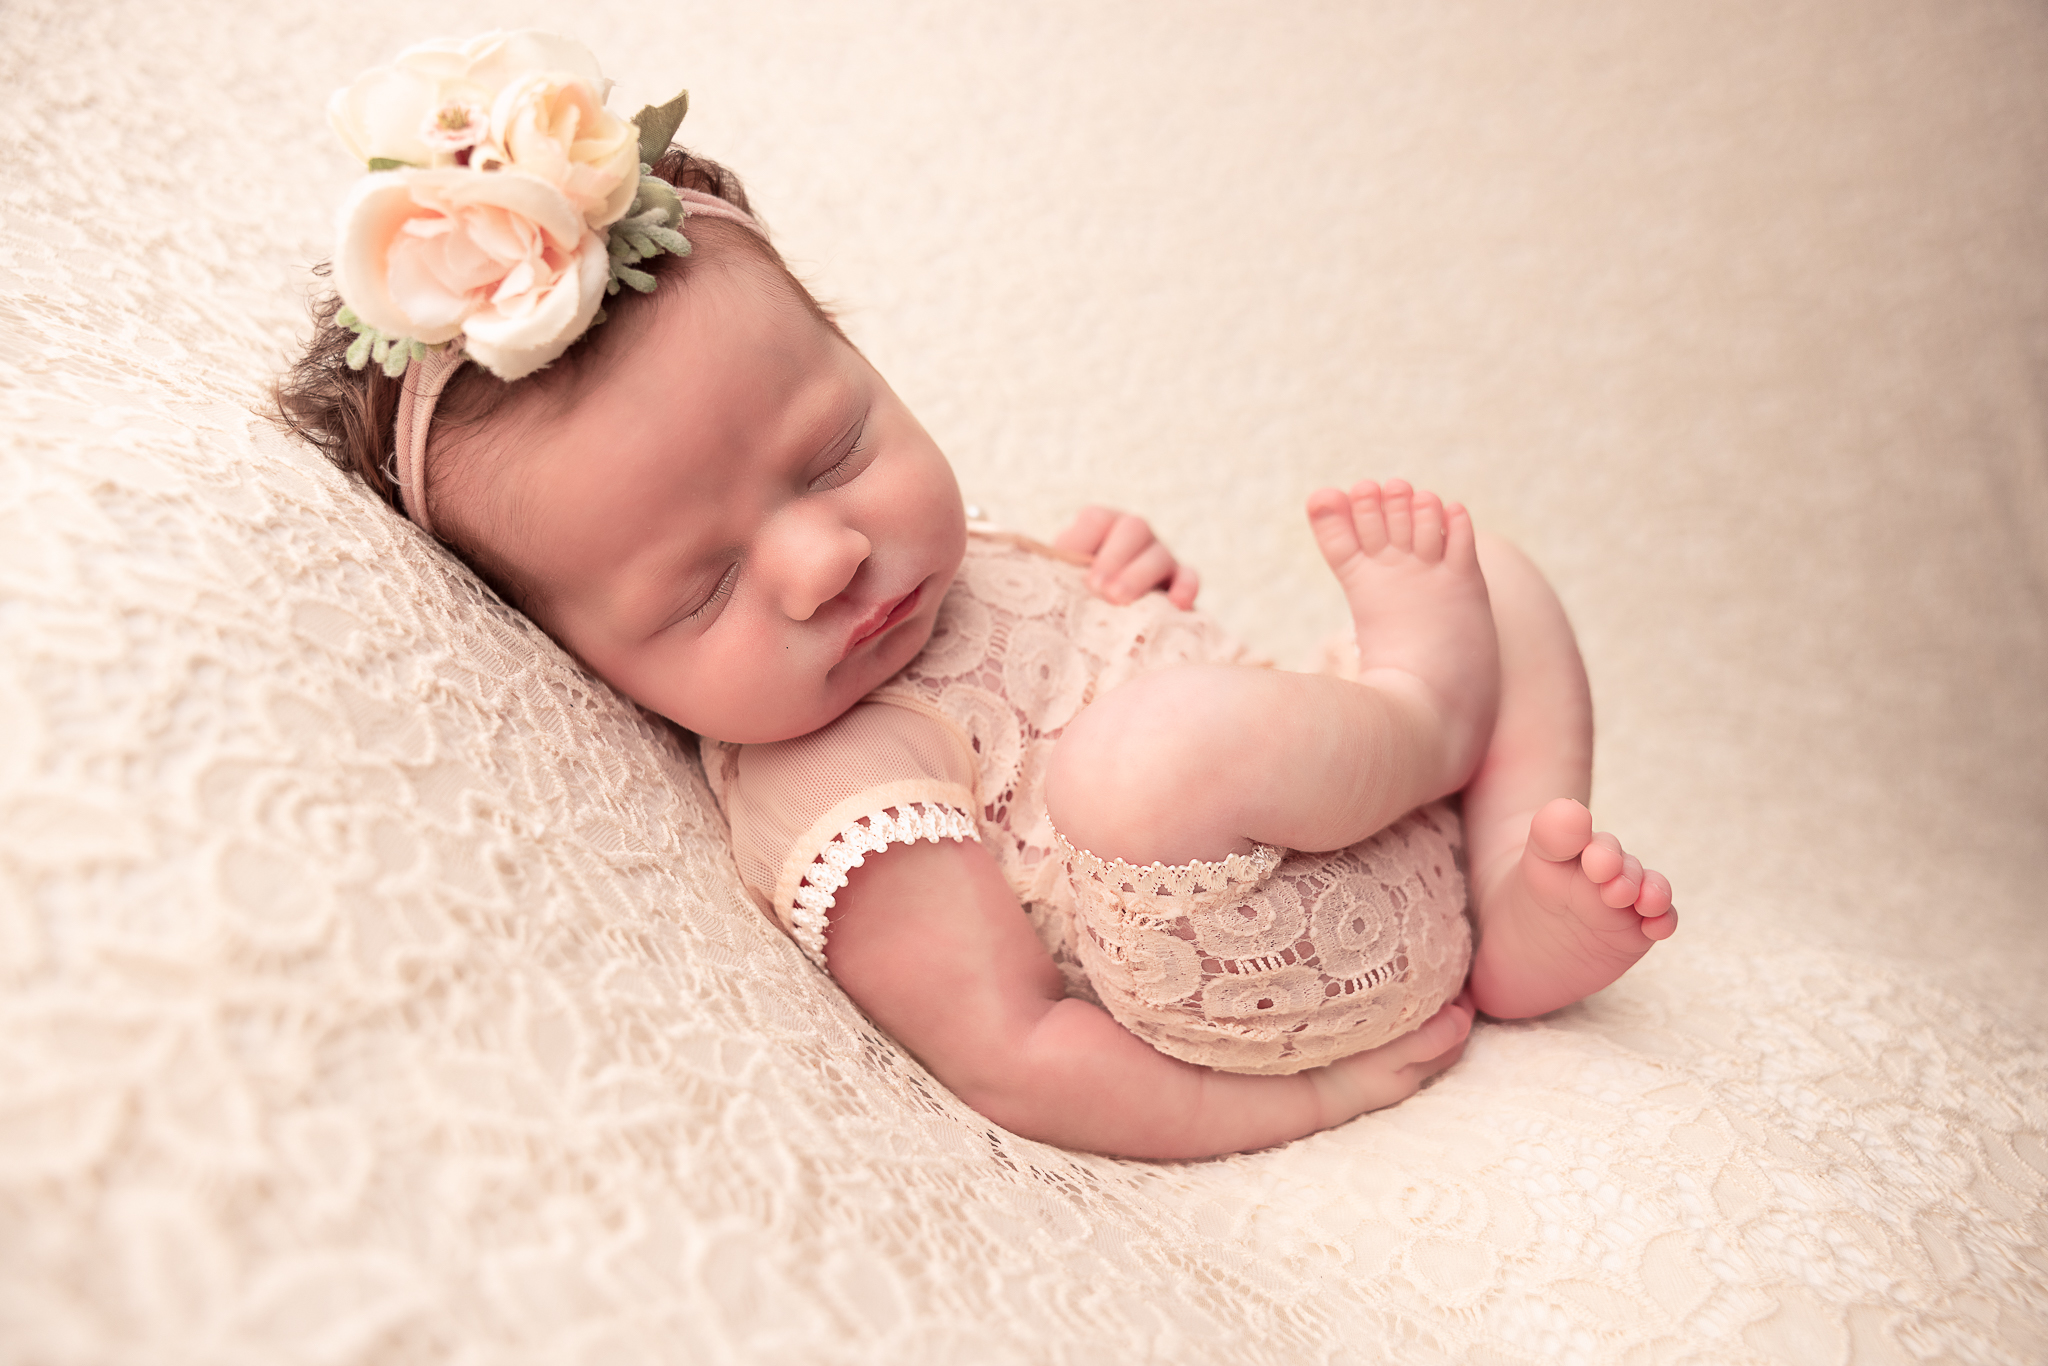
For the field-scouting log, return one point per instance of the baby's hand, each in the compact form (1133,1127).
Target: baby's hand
(1129,560)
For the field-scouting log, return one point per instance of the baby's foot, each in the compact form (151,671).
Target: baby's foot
(1410,571)
(1574,913)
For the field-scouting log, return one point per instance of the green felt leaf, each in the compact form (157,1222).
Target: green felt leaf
(657,126)
(658,196)
(391,164)
(668,239)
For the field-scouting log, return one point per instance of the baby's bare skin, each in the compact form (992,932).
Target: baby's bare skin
(1457,691)
(1562,911)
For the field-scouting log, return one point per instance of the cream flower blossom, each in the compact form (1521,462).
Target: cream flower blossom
(504,260)
(545,100)
(496,171)
(455,126)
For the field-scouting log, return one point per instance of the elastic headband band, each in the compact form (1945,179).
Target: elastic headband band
(427,376)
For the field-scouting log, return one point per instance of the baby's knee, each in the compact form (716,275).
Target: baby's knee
(1146,772)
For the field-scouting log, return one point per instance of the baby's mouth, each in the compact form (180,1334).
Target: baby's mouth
(882,618)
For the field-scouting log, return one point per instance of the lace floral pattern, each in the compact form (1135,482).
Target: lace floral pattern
(1258,965)
(905,824)
(1262,963)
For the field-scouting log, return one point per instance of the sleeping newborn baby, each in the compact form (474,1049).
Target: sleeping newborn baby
(1115,883)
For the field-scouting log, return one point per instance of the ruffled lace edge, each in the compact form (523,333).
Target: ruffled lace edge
(847,850)
(1175,879)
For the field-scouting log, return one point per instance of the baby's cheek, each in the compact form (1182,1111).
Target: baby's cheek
(752,689)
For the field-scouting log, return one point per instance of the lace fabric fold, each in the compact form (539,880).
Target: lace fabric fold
(817,893)
(1276,960)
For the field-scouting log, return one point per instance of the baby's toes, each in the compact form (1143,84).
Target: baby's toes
(1429,527)
(1560,830)
(1399,500)
(1460,545)
(1329,518)
(1621,889)
(1655,897)
(1602,861)
(1369,515)
(1653,904)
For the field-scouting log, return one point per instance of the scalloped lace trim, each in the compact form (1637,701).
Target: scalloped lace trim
(1179,881)
(849,848)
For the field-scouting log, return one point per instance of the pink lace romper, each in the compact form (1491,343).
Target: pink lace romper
(1271,961)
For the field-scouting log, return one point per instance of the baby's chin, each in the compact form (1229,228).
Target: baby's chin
(844,689)
(861,675)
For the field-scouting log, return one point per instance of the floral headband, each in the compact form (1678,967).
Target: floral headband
(503,204)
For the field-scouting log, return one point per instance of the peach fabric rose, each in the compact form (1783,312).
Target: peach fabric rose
(559,130)
(504,259)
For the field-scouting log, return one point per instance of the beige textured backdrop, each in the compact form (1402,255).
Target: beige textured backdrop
(371,984)
(1735,316)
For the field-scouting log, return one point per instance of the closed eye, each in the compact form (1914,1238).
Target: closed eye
(857,458)
(718,595)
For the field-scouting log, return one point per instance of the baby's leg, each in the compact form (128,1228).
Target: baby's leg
(1562,911)
(1198,763)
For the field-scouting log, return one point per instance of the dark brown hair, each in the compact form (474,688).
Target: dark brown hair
(349,413)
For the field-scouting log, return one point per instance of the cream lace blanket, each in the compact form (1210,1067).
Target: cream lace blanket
(375,987)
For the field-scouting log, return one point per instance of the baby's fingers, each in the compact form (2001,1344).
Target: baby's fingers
(1441,1032)
(1395,1070)
(1126,546)
(1084,535)
(1153,568)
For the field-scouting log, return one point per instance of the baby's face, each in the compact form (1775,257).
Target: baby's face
(736,523)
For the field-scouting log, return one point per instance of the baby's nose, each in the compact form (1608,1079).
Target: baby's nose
(820,560)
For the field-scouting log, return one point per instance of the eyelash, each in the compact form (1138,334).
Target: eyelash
(860,443)
(718,594)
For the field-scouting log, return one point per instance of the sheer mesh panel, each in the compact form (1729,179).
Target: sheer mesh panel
(785,800)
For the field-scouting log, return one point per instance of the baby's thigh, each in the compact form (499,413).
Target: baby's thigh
(1152,770)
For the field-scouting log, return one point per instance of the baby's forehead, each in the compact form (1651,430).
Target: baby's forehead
(725,253)
(727,289)
(729,375)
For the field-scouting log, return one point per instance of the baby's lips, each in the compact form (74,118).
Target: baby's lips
(884,615)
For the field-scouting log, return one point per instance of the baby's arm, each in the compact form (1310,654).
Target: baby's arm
(930,941)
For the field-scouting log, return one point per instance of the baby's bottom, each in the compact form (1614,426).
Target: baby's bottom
(1275,961)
